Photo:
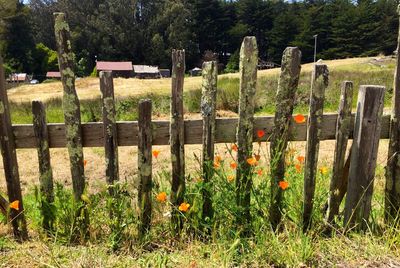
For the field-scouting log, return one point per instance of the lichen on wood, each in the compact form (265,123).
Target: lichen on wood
(285,98)
(10,163)
(109,128)
(145,166)
(177,137)
(46,174)
(248,82)
(208,111)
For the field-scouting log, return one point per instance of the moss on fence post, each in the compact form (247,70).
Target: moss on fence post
(248,82)
(72,115)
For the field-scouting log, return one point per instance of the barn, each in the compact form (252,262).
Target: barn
(146,71)
(119,69)
(18,78)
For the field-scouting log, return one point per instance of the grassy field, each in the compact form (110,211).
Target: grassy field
(114,244)
(128,92)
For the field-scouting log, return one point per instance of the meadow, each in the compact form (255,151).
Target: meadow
(114,243)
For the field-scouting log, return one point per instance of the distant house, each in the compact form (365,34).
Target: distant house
(165,73)
(53,75)
(119,69)
(146,71)
(18,78)
(195,72)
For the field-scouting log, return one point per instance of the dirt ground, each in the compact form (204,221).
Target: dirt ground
(95,168)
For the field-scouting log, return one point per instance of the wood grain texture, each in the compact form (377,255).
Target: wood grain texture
(71,106)
(338,185)
(320,76)
(392,187)
(177,137)
(145,166)
(245,130)
(10,162)
(363,157)
(45,171)
(208,112)
(225,132)
(285,98)
(109,128)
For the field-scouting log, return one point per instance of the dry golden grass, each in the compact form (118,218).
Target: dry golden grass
(89,88)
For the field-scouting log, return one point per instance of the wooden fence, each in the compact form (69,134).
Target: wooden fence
(354,176)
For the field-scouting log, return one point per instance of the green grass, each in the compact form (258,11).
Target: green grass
(114,243)
(227,96)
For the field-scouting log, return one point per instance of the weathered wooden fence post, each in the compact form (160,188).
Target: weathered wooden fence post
(3,206)
(248,82)
(72,114)
(177,137)
(367,130)
(46,173)
(208,111)
(145,165)
(392,188)
(109,128)
(338,184)
(288,82)
(320,76)
(10,163)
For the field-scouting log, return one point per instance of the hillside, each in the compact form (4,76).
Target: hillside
(88,88)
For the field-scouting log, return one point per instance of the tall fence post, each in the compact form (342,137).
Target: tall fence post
(177,137)
(109,128)
(248,82)
(338,185)
(287,86)
(367,130)
(3,206)
(320,77)
(208,111)
(145,165)
(392,188)
(72,114)
(46,173)
(10,163)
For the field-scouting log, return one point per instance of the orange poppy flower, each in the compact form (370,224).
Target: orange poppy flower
(156,153)
(300,119)
(252,161)
(184,207)
(233,165)
(259,172)
(298,168)
(230,178)
(283,185)
(217,165)
(162,197)
(218,158)
(84,163)
(260,133)
(15,205)
(301,159)
(234,147)
(257,157)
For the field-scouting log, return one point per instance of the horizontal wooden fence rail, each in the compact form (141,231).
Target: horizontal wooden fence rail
(225,132)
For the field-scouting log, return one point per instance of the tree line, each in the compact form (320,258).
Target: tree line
(145,31)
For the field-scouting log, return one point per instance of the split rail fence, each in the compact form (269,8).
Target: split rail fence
(354,176)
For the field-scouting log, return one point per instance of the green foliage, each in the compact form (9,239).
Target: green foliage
(233,64)
(94,72)
(45,60)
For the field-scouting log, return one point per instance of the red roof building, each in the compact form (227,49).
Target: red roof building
(119,69)
(53,75)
